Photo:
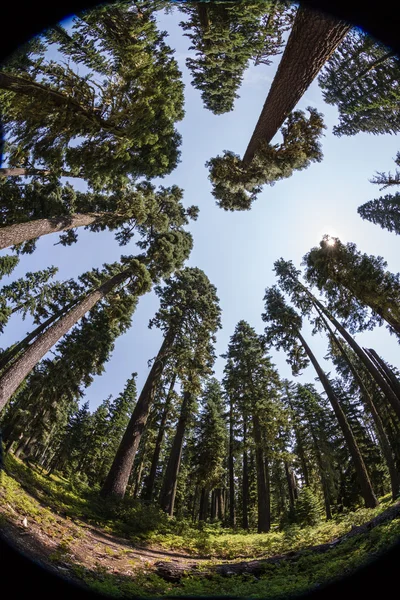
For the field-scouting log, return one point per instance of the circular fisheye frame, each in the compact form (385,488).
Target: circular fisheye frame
(200,301)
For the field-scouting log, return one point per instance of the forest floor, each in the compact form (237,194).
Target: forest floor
(44,518)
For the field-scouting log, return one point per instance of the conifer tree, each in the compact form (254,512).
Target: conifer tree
(32,210)
(353,281)
(188,314)
(362,80)
(284,331)
(47,104)
(383,211)
(226,37)
(236,183)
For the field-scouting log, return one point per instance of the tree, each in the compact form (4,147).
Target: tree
(389,179)
(384,211)
(312,40)
(31,210)
(124,123)
(284,331)
(353,281)
(211,441)
(188,307)
(226,37)
(362,80)
(252,383)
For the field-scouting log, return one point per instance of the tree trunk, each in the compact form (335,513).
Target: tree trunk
(168,492)
(13,351)
(387,372)
(16,373)
(148,493)
(368,401)
(118,476)
(290,484)
(11,235)
(203,504)
(381,382)
(232,512)
(263,521)
(245,480)
(312,41)
(324,482)
(362,474)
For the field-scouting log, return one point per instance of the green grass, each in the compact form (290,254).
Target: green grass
(25,491)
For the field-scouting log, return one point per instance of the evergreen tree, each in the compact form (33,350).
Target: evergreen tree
(211,441)
(188,315)
(31,210)
(47,104)
(284,331)
(383,211)
(362,80)
(236,183)
(7,264)
(353,281)
(226,37)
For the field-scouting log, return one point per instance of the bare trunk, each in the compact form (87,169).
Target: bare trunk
(312,41)
(232,512)
(387,372)
(245,481)
(263,521)
(362,474)
(290,484)
(168,492)
(11,235)
(23,172)
(118,476)
(157,450)
(382,437)
(16,373)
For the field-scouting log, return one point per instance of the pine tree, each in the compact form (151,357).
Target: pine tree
(188,314)
(361,79)
(226,37)
(47,105)
(284,331)
(29,211)
(236,183)
(353,281)
(383,211)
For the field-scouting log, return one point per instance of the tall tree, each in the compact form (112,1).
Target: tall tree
(284,331)
(362,80)
(188,307)
(48,104)
(226,37)
(383,211)
(29,211)
(252,382)
(312,40)
(353,281)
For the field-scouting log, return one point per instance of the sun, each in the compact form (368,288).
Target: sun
(330,242)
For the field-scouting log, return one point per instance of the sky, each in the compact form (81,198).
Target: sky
(237,249)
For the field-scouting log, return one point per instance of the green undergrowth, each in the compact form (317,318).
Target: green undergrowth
(25,492)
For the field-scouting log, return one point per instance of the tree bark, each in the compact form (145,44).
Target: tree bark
(245,479)
(387,372)
(362,474)
(118,476)
(232,512)
(290,484)
(30,172)
(168,492)
(263,521)
(11,235)
(16,373)
(12,352)
(312,40)
(148,493)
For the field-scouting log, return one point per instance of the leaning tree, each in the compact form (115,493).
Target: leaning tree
(284,331)
(236,182)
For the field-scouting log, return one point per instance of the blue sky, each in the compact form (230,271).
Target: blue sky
(237,250)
